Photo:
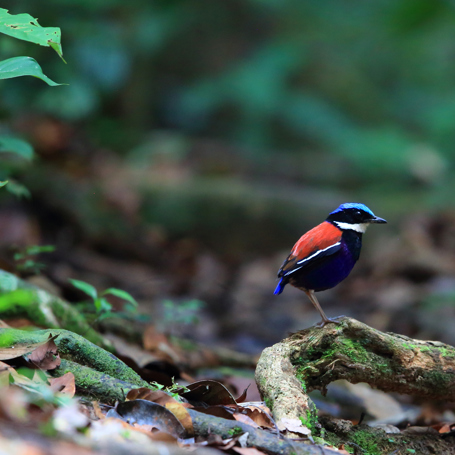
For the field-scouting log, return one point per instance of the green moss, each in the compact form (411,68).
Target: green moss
(442,380)
(93,383)
(310,420)
(75,348)
(367,441)
(349,348)
(236,431)
(446,352)
(320,441)
(300,375)
(333,439)
(268,403)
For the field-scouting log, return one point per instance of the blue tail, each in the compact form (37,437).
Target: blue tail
(280,287)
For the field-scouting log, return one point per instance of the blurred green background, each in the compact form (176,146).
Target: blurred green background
(238,124)
(348,96)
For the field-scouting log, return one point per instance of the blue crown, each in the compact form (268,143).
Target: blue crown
(352,205)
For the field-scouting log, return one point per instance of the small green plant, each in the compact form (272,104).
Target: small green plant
(25,261)
(173,390)
(102,307)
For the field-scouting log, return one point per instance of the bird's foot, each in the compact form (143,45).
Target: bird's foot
(326,321)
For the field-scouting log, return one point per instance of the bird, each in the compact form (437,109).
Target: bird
(326,254)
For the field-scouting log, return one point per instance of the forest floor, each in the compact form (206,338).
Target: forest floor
(206,310)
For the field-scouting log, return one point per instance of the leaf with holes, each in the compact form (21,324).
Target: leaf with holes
(25,27)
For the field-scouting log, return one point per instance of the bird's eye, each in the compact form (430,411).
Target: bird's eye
(358,212)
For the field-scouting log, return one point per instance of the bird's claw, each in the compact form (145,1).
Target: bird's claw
(326,321)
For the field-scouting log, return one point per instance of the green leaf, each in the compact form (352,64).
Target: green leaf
(37,249)
(26,27)
(85,287)
(23,66)
(102,305)
(18,190)
(15,145)
(121,294)
(3,183)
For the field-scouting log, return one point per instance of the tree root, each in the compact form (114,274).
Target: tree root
(205,424)
(313,358)
(98,373)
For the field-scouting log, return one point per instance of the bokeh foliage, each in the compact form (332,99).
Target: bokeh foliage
(352,95)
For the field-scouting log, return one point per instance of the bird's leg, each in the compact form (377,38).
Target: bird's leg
(314,301)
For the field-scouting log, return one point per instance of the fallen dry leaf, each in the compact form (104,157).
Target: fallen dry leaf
(443,427)
(208,393)
(97,411)
(245,419)
(145,412)
(5,370)
(11,352)
(242,397)
(294,426)
(239,383)
(260,417)
(164,399)
(157,396)
(45,356)
(182,414)
(64,384)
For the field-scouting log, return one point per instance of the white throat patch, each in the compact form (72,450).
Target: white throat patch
(361,227)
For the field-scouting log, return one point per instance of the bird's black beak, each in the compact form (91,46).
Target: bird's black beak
(377,220)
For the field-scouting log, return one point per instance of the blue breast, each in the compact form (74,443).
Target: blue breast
(328,274)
